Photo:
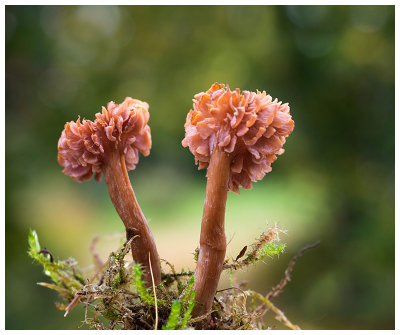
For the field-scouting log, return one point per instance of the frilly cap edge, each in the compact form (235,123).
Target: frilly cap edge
(83,146)
(250,126)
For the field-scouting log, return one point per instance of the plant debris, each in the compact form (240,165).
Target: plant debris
(115,295)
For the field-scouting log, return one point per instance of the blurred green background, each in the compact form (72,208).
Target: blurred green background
(335,183)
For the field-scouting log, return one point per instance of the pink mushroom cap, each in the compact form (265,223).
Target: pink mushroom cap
(83,146)
(249,126)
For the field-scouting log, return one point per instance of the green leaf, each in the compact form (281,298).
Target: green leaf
(61,273)
(34,246)
(188,290)
(142,291)
(188,302)
(173,316)
(188,312)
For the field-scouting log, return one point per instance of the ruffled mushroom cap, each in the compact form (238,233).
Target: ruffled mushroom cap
(249,126)
(83,146)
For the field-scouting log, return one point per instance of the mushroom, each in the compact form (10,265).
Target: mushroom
(111,145)
(236,136)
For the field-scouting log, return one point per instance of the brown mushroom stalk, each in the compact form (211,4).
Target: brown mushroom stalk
(236,136)
(212,236)
(124,201)
(111,145)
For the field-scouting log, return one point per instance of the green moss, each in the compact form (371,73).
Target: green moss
(181,310)
(272,249)
(141,290)
(173,316)
(64,274)
(116,296)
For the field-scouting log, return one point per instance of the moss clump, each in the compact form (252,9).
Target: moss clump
(116,298)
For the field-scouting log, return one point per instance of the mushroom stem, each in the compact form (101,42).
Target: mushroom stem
(212,236)
(124,201)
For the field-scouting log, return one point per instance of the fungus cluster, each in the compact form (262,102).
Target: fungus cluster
(235,135)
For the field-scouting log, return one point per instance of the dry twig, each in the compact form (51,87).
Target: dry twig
(99,262)
(280,316)
(278,288)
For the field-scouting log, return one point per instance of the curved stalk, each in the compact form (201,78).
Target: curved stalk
(124,200)
(212,236)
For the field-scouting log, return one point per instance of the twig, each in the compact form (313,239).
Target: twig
(231,239)
(175,275)
(200,318)
(60,290)
(278,288)
(71,305)
(269,236)
(280,316)
(170,265)
(244,295)
(96,256)
(218,302)
(232,288)
(180,274)
(154,292)
(86,309)
(76,299)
